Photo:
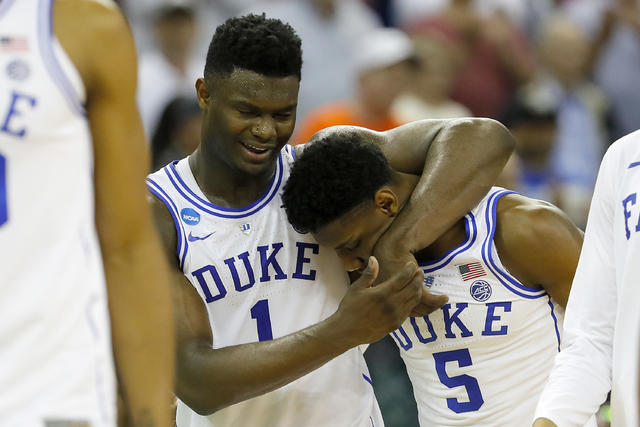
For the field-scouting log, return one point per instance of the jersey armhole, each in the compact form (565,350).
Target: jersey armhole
(182,243)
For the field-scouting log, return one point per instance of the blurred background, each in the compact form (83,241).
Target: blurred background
(563,75)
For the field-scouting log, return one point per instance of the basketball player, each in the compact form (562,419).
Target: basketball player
(601,327)
(71,138)
(483,358)
(258,304)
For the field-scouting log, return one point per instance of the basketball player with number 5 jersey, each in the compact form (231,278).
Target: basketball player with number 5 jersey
(483,358)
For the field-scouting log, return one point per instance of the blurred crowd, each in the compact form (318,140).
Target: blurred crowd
(561,74)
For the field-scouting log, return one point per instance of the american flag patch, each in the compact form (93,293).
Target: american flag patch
(13,44)
(471,271)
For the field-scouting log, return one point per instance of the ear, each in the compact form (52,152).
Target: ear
(203,93)
(386,202)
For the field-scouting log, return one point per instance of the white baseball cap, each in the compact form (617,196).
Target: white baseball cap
(382,48)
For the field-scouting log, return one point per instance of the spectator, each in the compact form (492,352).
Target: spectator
(169,70)
(178,131)
(533,124)
(616,52)
(382,61)
(329,30)
(496,55)
(581,113)
(431,81)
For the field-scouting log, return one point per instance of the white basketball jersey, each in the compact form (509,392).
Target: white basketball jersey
(484,357)
(55,351)
(261,280)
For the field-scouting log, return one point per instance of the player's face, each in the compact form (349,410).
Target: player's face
(355,234)
(248,118)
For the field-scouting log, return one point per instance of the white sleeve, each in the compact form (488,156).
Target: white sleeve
(581,376)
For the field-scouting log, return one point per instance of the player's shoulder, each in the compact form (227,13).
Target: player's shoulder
(624,152)
(95,34)
(522,221)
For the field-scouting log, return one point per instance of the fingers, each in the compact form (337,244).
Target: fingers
(428,303)
(402,278)
(369,274)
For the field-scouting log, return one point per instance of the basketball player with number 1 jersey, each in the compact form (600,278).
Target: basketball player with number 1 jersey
(483,358)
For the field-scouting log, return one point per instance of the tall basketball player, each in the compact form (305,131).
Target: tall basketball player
(72,208)
(602,326)
(483,358)
(267,325)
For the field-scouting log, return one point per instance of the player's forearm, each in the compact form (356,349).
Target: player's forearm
(211,379)
(142,329)
(464,160)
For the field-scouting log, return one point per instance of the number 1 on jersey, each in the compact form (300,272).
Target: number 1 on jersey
(4,211)
(260,312)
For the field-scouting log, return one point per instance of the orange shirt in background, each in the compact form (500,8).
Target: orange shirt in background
(340,113)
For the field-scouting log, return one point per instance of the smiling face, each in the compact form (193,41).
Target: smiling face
(248,117)
(355,234)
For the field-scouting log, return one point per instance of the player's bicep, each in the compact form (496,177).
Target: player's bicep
(191,317)
(540,245)
(106,59)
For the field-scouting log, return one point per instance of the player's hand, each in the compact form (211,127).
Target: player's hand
(394,259)
(543,422)
(367,313)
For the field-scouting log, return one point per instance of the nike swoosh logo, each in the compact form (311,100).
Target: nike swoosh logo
(193,238)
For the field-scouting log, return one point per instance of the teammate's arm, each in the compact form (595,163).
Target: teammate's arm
(210,379)
(99,43)
(538,244)
(459,161)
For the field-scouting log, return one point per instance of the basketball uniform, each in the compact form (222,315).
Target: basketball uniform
(602,326)
(484,357)
(55,351)
(260,280)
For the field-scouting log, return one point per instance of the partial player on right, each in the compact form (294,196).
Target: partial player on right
(602,326)
(484,357)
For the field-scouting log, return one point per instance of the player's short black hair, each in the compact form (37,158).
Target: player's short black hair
(331,177)
(255,43)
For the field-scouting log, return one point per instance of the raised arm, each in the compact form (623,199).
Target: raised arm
(210,379)
(538,244)
(459,160)
(99,43)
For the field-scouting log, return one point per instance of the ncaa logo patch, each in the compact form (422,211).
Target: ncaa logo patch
(190,216)
(18,70)
(480,290)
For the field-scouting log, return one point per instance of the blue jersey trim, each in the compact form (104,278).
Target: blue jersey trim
(367,379)
(4,6)
(292,150)
(173,210)
(503,277)
(633,165)
(222,212)
(555,322)
(45,42)
(471,234)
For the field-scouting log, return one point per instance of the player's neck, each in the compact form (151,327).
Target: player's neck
(224,186)
(403,186)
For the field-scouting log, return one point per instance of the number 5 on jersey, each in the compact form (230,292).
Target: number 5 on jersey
(463,358)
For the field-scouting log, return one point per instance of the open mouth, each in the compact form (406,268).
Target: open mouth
(254,148)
